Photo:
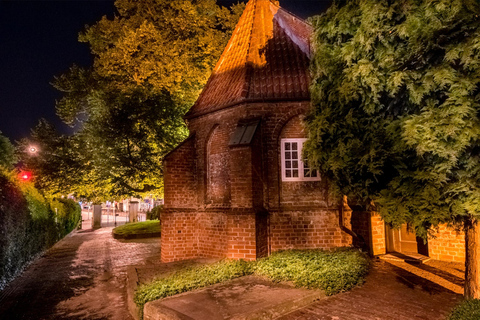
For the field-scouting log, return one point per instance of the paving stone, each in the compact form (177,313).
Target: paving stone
(390,292)
(81,277)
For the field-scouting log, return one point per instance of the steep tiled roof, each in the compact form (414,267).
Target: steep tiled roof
(266,59)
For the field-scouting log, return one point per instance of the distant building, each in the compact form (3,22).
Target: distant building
(238,187)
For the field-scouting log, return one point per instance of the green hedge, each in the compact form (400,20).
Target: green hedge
(29,225)
(68,214)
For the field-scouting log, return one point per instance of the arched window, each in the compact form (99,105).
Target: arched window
(218,165)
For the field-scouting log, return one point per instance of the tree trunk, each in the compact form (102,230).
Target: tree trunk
(472,265)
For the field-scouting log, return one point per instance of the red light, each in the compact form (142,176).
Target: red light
(25,176)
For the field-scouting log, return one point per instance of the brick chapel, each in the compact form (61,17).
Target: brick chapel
(238,186)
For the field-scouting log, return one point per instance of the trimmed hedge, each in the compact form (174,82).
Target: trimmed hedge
(29,225)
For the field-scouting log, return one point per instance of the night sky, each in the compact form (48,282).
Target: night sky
(39,39)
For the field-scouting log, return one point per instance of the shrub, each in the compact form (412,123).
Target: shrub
(154,214)
(68,214)
(333,272)
(467,310)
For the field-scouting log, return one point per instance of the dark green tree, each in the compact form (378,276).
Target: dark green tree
(7,153)
(150,63)
(396,112)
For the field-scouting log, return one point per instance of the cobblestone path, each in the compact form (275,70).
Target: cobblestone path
(81,277)
(393,291)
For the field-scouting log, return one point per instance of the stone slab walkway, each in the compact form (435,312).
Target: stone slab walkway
(82,277)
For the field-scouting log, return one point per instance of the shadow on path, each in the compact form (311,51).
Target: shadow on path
(81,277)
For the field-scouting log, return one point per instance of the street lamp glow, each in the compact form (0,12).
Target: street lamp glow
(32,149)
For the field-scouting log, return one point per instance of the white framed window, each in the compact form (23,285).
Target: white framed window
(294,168)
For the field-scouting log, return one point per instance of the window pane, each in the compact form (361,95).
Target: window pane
(295,173)
(294,146)
(288,164)
(288,155)
(306,173)
(314,173)
(295,164)
(288,173)
(287,145)
(294,155)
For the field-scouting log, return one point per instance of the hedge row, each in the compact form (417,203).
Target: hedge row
(29,224)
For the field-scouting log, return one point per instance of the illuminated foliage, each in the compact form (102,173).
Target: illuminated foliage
(396,118)
(150,63)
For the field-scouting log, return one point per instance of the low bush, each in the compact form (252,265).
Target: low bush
(144,227)
(467,310)
(331,271)
(191,278)
(154,214)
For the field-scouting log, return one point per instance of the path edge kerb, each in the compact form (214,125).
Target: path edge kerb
(155,310)
(136,236)
(132,285)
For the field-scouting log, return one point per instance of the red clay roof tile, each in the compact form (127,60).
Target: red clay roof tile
(267,58)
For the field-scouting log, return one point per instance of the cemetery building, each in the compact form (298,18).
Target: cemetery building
(238,186)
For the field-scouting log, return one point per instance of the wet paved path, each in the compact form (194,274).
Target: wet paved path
(81,277)
(393,291)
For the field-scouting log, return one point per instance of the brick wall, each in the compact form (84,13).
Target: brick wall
(306,230)
(241,239)
(179,241)
(448,245)
(180,176)
(218,167)
(361,226)
(377,242)
(211,231)
(235,204)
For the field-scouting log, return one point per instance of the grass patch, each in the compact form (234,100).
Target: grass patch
(333,272)
(467,310)
(191,278)
(138,228)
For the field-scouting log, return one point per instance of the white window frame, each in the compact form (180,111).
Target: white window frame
(301,165)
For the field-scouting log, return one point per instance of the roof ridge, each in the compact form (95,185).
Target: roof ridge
(247,75)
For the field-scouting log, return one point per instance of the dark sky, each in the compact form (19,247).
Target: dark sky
(39,39)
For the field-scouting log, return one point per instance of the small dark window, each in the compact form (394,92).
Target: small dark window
(244,133)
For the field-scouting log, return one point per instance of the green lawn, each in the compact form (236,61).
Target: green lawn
(137,229)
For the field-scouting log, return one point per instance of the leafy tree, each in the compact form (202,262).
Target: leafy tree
(61,166)
(7,153)
(150,63)
(396,112)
